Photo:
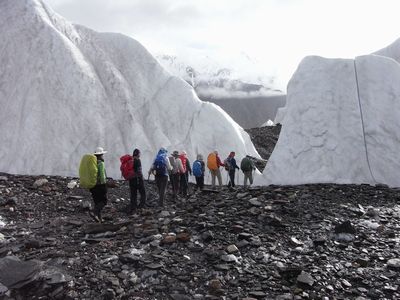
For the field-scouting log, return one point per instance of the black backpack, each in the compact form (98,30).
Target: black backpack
(228,164)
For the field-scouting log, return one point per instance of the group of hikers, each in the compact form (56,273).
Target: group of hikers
(175,167)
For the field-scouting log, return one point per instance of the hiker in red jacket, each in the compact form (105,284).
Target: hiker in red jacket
(184,174)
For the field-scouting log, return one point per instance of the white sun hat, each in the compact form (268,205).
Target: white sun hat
(99,151)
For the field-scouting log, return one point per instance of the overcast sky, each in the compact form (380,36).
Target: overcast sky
(274,34)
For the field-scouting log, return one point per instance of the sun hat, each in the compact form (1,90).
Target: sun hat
(99,151)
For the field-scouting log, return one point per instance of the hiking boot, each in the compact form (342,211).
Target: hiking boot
(93,216)
(97,218)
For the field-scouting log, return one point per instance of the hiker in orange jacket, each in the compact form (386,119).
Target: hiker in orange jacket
(213,163)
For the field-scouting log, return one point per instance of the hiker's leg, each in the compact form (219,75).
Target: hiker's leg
(198,183)
(219,177)
(96,194)
(102,200)
(171,180)
(158,184)
(246,176)
(201,182)
(176,184)
(232,178)
(251,177)
(133,188)
(213,174)
(163,187)
(142,192)
(183,183)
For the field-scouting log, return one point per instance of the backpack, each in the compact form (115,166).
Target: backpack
(88,171)
(174,165)
(212,161)
(197,170)
(127,170)
(160,165)
(227,163)
(246,165)
(183,160)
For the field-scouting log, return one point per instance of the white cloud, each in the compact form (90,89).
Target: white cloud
(275,33)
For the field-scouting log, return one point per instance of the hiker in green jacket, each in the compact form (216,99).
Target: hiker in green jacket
(248,167)
(99,191)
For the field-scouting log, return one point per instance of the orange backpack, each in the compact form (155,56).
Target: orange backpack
(212,161)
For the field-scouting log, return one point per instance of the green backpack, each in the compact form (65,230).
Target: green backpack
(88,171)
(245,164)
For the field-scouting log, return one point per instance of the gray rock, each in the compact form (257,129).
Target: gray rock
(345,227)
(255,202)
(232,249)
(393,263)
(229,258)
(306,279)
(40,182)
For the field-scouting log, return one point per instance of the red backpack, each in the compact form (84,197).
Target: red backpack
(126,168)
(183,159)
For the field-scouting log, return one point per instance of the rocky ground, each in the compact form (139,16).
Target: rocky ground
(264,139)
(278,242)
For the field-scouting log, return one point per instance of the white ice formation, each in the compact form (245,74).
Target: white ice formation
(341,123)
(66,89)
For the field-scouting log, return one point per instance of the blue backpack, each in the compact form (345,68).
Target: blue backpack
(197,171)
(160,165)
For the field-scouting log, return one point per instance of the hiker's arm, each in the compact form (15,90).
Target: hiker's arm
(180,166)
(235,165)
(102,173)
(219,163)
(189,168)
(168,163)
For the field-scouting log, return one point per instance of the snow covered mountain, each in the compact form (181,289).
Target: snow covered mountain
(248,99)
(211,79)
(66,89)
(341,123)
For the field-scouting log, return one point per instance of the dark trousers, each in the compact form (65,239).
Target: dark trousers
(183,184)
(200,182)
(99,194)
(232,178)
(161,182)
(174,178)
(136,184)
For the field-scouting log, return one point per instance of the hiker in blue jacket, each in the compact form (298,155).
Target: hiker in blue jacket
(199,171)
(231,168)
(160,168)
